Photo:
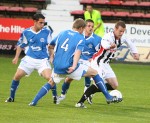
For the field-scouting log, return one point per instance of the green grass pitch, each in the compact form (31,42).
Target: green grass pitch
(134,83)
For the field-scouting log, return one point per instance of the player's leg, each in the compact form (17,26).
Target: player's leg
(66,85)
(54,93)
(110,81)
(65,88)
(43,91)
(108,75)
(24,68)
(92,90)
(99,82)
(111,84)
(87,93)
(44,69)
(101,85)
(87,81)
(46,73)
(15,83)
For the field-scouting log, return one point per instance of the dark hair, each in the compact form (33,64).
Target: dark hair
(120,23)
(89,20)
(89,5)
(37,16)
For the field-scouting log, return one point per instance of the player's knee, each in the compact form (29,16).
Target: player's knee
(17,77)
(68,80)
(115,85)
(94,72)
(51,82)
(47,77)
(91,72)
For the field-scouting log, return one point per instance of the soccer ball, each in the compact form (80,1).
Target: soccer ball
(116,93)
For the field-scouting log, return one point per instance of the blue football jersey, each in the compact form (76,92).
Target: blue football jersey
(36,42)
(92,44)
(66,43)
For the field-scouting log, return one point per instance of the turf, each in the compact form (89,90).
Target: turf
(133,83)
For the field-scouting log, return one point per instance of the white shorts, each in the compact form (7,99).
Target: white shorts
(76,75)
(29,64)
(104,69)
(86,62)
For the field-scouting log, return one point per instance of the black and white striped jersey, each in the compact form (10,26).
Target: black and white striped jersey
(105,54)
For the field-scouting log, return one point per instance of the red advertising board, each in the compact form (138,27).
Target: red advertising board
(11,28)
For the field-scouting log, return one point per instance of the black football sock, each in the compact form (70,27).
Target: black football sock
(88,92)
(109,86)
(93,89)
(83,98)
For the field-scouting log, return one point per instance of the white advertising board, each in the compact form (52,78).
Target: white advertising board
(139,34)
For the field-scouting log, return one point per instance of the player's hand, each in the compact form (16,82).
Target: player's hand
(90,60)
(15,60)
(113,45)
(70,69)
(136,56)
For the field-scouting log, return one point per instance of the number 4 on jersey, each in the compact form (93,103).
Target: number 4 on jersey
(65,45)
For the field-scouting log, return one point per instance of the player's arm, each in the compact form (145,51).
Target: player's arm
(133,48)
(18,51)
(51,52)
(51,48)
(75,61)
(22,43)
(107,42)
(76,58)
(77,54)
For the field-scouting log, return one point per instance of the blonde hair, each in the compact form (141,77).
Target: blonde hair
(78,23)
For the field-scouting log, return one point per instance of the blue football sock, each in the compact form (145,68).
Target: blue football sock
(13,89)
(100,84)
(65,87)
(87,81)
(54,90)
(42,92)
